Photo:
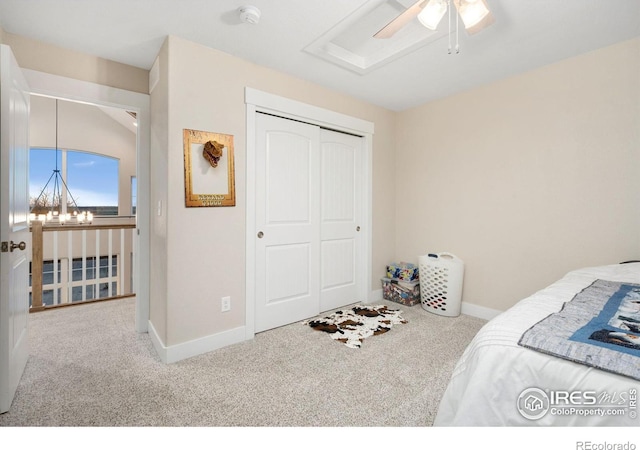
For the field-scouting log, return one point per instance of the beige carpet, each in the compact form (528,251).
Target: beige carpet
(89,368)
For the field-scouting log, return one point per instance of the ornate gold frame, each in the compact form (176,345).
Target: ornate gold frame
(201,176)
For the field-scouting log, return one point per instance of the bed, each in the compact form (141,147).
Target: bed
(498,382)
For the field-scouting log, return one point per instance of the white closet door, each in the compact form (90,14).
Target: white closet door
(287,220)
(340,218)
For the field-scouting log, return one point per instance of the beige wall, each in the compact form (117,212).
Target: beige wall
(527,178)
(205,247)
(43,57)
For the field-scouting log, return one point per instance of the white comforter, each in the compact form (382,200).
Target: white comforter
(494,370)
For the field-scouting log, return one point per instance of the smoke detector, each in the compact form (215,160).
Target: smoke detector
(249,14)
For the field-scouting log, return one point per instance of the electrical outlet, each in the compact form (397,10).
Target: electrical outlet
(225,304)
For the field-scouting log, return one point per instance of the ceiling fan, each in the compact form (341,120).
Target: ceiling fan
(475,16)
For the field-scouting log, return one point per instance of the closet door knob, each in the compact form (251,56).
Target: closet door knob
(260,234)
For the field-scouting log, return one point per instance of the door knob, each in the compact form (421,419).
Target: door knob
(260,234)
(358,228)
(20,246)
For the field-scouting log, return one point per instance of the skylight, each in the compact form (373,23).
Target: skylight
(350,44)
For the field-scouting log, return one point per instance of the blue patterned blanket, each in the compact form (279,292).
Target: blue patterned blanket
(599,327)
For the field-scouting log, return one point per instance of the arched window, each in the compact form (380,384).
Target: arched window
(91,179)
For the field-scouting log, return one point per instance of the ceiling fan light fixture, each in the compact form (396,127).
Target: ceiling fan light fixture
(433,13)
(472,12)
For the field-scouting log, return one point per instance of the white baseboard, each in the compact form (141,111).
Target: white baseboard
(482,312)
(469,309)
(156,342)
(175,353)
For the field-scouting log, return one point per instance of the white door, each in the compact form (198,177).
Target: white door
(341,184)
(14,229)
(308,212)
(287,220)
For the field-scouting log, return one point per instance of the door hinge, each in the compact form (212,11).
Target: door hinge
(5,247)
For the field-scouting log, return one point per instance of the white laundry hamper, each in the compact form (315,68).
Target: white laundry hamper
(441,276)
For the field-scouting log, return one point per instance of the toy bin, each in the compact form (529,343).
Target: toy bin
(441,276)
(404,292)
(403,271)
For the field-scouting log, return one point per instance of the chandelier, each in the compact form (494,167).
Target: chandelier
(53,206)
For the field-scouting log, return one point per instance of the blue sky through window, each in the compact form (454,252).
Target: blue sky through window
(92,179)
(134,195)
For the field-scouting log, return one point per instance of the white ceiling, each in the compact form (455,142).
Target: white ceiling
(527,34)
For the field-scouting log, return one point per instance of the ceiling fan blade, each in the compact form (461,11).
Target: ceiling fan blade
(396,24)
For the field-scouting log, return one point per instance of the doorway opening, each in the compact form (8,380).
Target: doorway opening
(82,161)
